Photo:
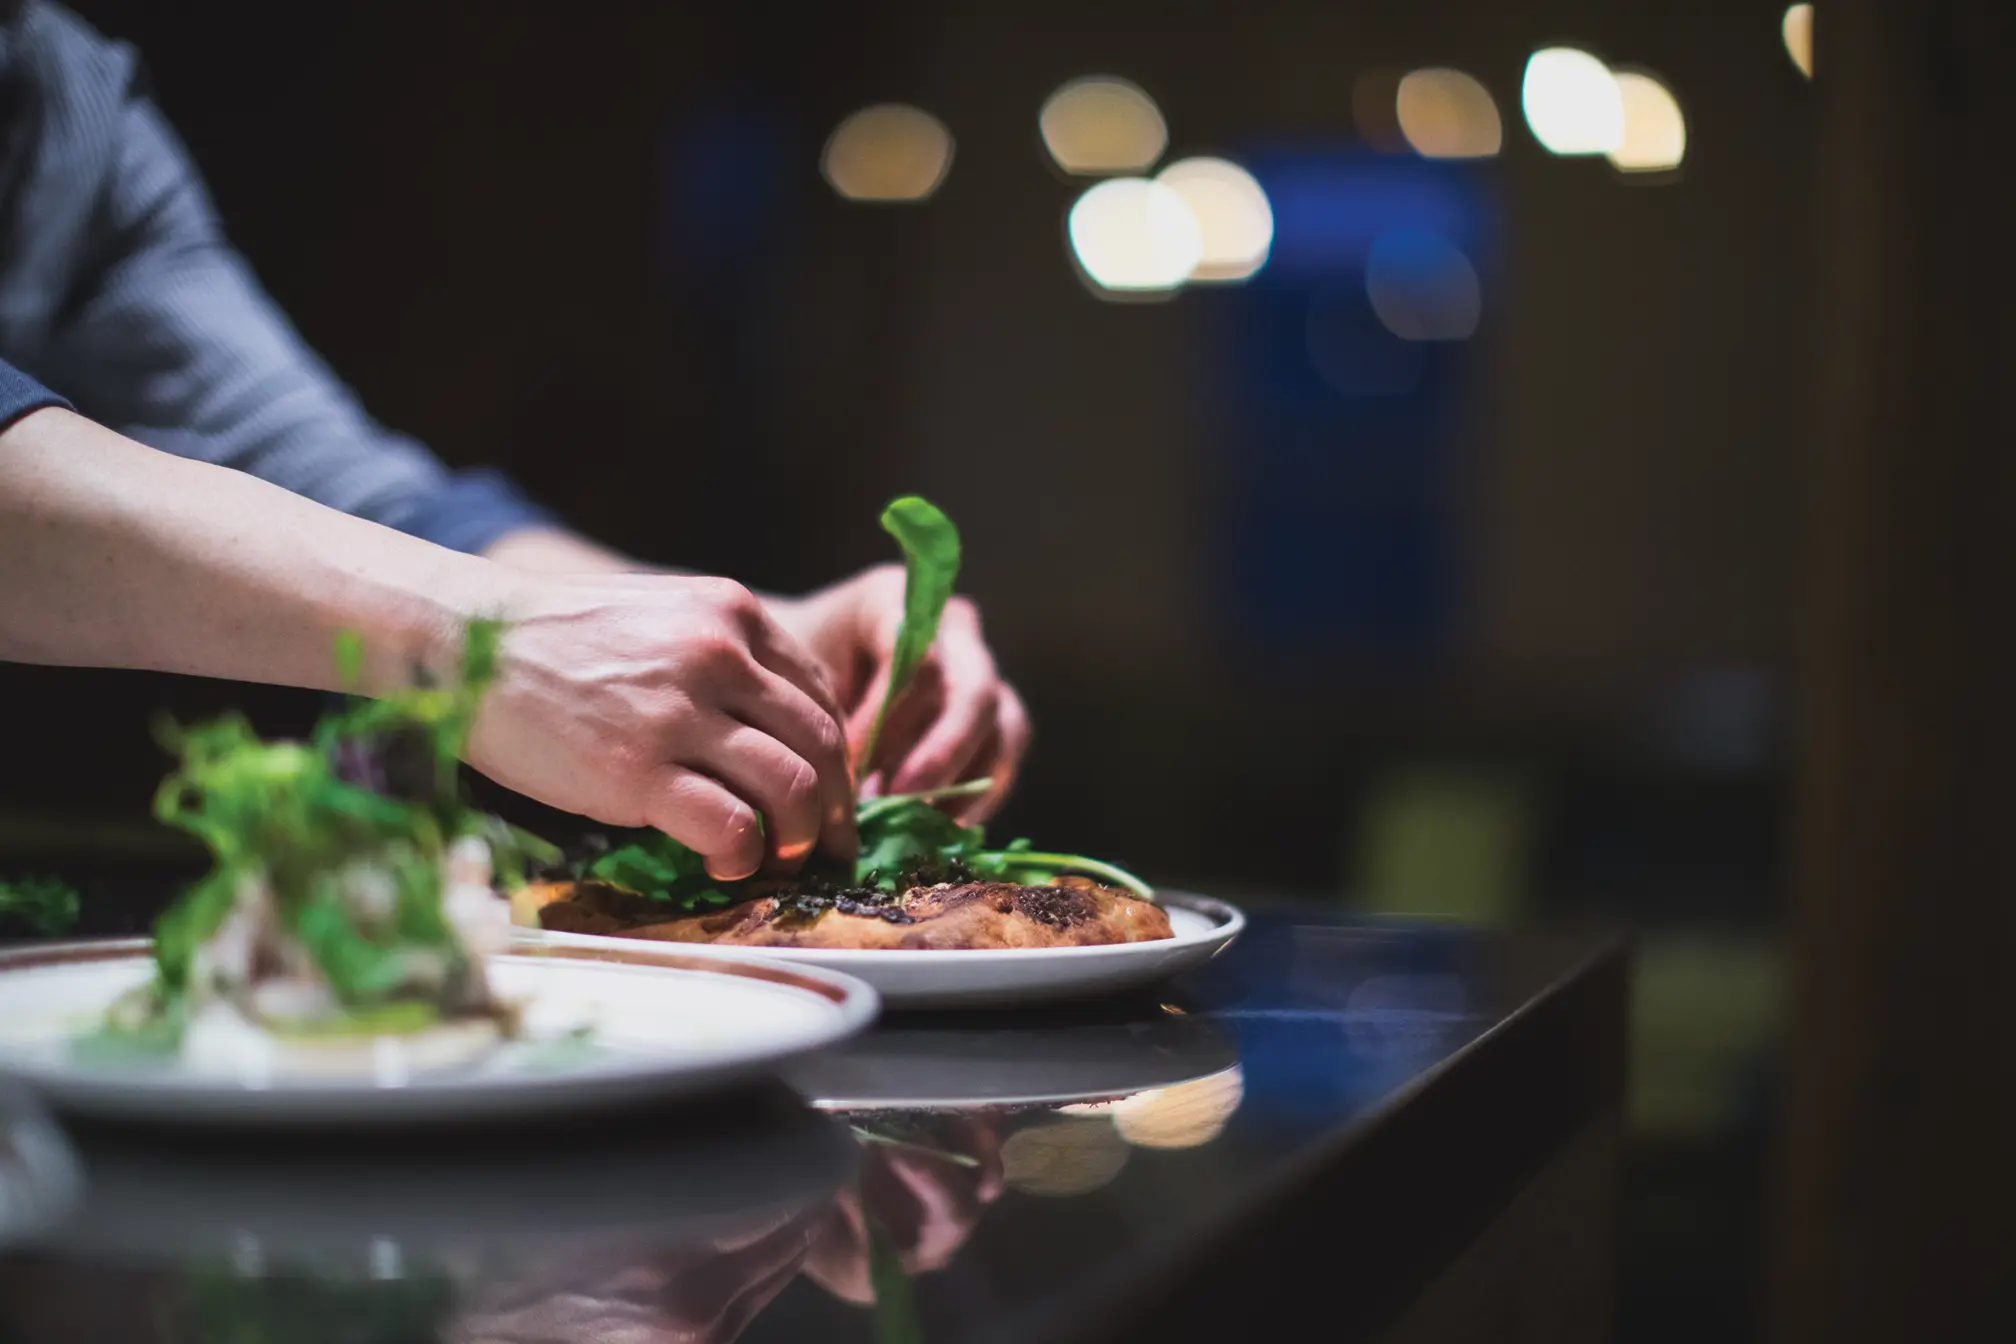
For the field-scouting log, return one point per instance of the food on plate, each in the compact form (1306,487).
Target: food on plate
(351,903)
(922,881)
(945,915)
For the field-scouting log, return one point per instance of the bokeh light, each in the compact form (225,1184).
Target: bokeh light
(1571,102)
(1655,130)
(1422,287)
(1102,124)
(1063,1157)
(1798,29)
(1235,224)
(1446,114)
(1185,1115)
(888,152)
(1134,237)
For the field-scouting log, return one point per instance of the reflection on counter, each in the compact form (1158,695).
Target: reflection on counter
(672,1226)
(592,1233)
(39,1181)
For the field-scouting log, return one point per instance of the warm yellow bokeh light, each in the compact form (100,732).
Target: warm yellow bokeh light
(1235,224)
(1446,114)
(1655,131)
(1422,287)
(1102,124)
(888,152)
(1571,102)
(1134,236)
(1183,1116)
(1799,37)
(1063,1157)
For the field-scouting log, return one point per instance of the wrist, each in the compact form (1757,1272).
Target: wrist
(422,623)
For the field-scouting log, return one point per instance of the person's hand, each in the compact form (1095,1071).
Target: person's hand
(959,720)
(671,702)
(926,1204)
(620,1290)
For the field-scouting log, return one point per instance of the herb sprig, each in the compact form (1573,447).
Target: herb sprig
(292,815)
(44,904)
(906,839)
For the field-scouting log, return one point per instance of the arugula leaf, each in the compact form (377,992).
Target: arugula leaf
(658,866)
(1020,864)
(43,903)
(930,567)
(910,837)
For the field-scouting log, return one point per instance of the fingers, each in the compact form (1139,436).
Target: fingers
(813,736)
(703,815)
(798,777)
(1002,757)
(775,780)
(785,656)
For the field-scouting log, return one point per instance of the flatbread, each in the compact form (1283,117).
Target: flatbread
(949,916)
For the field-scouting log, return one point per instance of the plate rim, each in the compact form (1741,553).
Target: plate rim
(855,1003)
(1231,922)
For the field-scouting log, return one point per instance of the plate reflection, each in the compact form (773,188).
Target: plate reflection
(681,1227)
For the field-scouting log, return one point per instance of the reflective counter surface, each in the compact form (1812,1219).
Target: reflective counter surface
(1362,1097)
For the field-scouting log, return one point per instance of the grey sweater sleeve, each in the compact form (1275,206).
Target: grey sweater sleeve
(169,338)
(21,395)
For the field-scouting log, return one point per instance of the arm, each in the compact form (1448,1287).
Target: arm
(638,701)
(170,337)
(113,555)
(167,336)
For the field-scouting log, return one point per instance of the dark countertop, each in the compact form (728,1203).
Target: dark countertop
(1331,1117)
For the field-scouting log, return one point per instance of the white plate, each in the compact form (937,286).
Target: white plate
(1003,977)
(659,1024)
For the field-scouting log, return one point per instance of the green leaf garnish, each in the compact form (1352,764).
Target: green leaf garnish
(930,567)
(282,821)
(42,903)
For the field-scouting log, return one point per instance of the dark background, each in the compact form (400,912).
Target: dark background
(1516,646)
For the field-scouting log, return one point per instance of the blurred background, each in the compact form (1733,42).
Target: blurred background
(1379,448)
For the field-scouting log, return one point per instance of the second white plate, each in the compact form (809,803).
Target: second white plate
(602,1026)
(1000,977)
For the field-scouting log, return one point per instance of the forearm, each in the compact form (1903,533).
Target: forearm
(114,555)
(553,550)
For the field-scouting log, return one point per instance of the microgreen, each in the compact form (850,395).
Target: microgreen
(289,816)
(42,903)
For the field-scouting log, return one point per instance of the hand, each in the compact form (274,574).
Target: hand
(672,702)
(959,720)
(926,1204)
(619,1288)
